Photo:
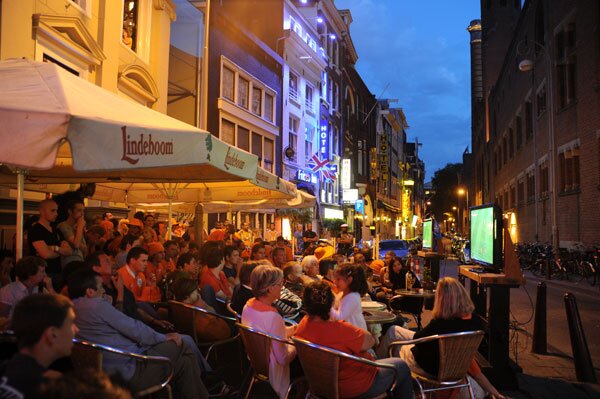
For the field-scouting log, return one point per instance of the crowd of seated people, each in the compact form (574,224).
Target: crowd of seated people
(120,280)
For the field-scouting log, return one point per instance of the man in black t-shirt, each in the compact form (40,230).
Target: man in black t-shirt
(309,236)
(45,241)
(45,328)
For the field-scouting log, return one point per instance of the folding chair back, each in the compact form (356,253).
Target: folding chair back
(321,368)
(456,354)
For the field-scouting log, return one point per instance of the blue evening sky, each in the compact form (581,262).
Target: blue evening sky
(421,48)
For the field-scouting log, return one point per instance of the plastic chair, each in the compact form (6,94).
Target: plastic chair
(184,316)
(410,305)
(457,351)
(258,350)
(321,368)
(87,354)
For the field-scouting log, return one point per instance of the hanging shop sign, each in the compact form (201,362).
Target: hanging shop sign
(306,176)
(346,173)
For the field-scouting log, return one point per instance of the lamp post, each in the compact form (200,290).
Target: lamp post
(463,191)
(527,65)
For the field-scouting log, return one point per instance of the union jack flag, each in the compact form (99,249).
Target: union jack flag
(322,166)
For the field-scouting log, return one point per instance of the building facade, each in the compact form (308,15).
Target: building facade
(536,144)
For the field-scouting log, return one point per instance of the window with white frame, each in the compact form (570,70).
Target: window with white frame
(131,10)
(324,87)
(84,5)
(308,98)
(294,124)
(247,92)
(569,170)
(269,151)
(309,136)
(257,94)
(228,84)
(257,145)
(293,86)
(269,103)
(243,138)
(243,87)
(227,131)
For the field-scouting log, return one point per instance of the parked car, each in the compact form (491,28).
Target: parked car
(399,247)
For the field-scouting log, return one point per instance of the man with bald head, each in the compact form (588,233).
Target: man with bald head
(46,242)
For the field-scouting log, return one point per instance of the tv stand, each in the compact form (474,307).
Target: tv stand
(497,313)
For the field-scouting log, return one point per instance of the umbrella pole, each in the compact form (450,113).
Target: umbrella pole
(170,225)
(20,211)
(199,224)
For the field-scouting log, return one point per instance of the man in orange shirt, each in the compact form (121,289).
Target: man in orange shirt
(171,254)
(144,289)
(213,257)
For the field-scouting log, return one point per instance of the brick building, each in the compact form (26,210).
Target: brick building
(535,119)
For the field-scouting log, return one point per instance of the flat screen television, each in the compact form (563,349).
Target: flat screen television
(486,236)
(428,234)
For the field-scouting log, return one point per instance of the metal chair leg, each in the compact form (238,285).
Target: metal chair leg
(250,388)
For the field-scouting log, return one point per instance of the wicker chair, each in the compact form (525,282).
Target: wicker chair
(457,351)
(183,316)
(321,368)
(409,305)
(258,350)
(89,355)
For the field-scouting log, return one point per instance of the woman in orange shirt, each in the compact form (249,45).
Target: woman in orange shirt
(354,379)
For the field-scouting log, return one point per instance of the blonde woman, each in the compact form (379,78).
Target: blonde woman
(452,313)
(266,282)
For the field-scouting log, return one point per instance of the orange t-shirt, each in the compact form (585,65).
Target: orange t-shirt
(139,286)
(108,227)
(354,378)
(159,270)
(219,284)
(217,235)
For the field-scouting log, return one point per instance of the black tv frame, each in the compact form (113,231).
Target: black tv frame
(498,264)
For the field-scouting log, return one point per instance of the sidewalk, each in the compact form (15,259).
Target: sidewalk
(543,376)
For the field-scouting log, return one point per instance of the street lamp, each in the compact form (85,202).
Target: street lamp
(463,191)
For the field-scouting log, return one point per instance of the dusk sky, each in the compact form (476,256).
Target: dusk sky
(421,48)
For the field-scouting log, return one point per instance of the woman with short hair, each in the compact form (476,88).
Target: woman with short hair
(452,313)
(310,267)
(354,379)
(258,313)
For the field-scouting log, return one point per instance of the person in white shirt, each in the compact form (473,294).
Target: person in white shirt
(31,273)
(352,285)
(266,282)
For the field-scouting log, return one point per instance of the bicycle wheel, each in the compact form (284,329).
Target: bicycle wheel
(587,271)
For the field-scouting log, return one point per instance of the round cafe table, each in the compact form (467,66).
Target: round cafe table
(378,316)
(417,292)
(372,305)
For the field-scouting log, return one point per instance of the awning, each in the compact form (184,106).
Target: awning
(388,207)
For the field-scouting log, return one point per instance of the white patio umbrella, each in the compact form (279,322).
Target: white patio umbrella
(59,128)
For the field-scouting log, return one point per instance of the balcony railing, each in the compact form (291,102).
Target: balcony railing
(293,94)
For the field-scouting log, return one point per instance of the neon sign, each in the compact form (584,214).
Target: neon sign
(323,140)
